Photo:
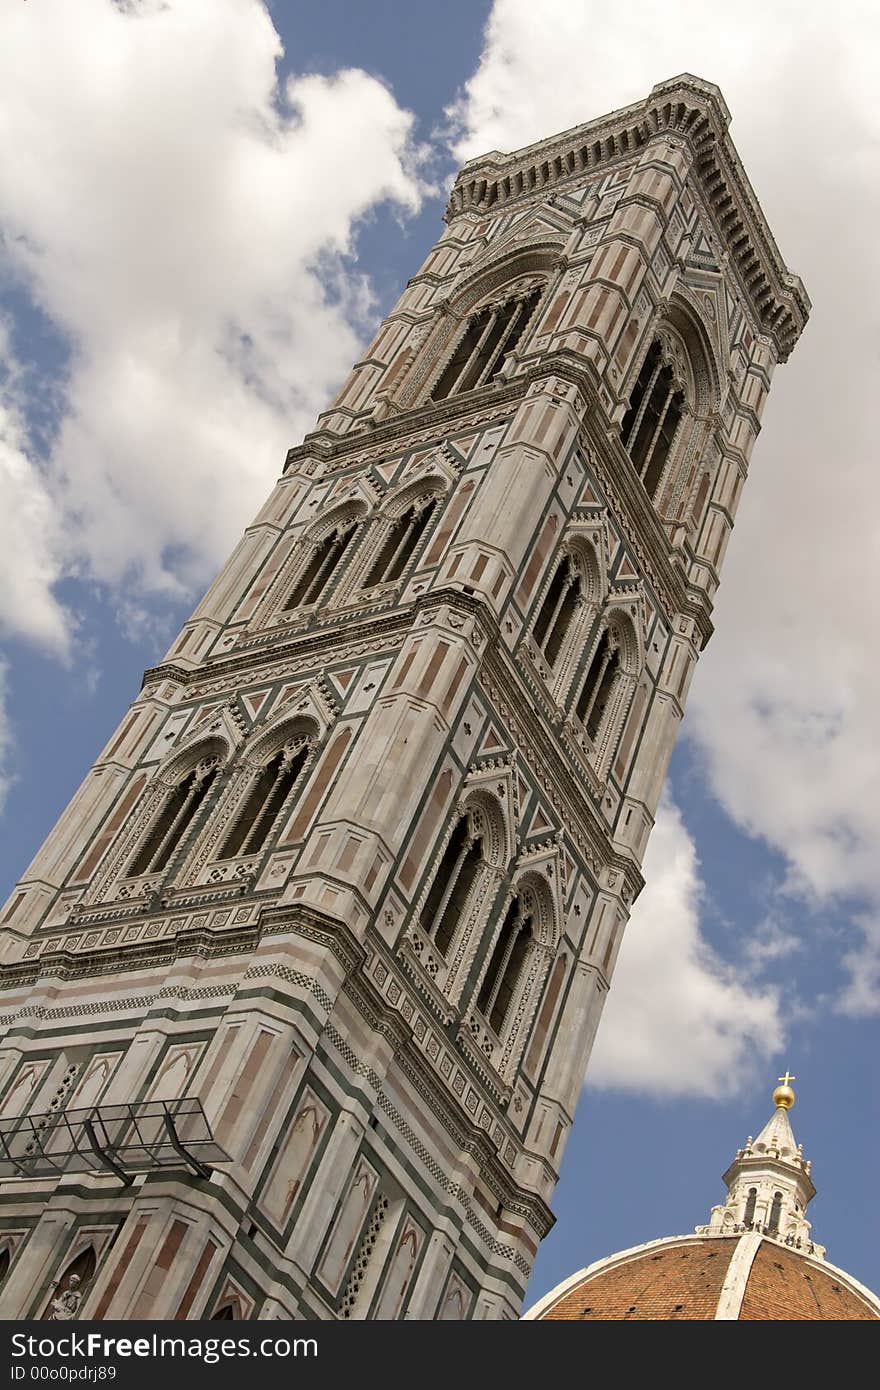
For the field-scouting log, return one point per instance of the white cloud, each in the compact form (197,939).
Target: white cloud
(183,224)
(677,1012)
(784,705)
(30,544)
(773,940)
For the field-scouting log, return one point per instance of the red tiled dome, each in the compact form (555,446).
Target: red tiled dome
(701,1278)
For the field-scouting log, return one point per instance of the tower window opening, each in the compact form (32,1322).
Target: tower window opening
(489,338)
(652,419)
(322,564)
(558,609)
(751,1200)
(598,684)
(451,888)
(178,812)
(265,801)
(775,1214)
(505,966)
(645,377)
(400,544)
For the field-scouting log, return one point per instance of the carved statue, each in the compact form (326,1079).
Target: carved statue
(65,1305)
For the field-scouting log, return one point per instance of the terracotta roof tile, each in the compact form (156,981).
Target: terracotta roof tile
(682,1281)
(784,1286)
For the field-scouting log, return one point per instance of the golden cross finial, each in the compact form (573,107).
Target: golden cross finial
(784,1096)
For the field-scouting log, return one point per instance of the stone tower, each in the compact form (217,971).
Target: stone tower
(348,882)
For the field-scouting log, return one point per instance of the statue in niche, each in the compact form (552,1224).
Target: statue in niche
(68,1291)
(65,1305)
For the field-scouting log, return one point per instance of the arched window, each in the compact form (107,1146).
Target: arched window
(775,1213)
(401,543)
(599,683)
(751,1201)
(224,1314)
(640,390)
(181,806)
(558,609)
(323,562)
(505,966)
(5,1259)
(490,336)
(652,418)
(453,882)
(265,801)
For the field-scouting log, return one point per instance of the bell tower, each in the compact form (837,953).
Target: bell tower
(299,993)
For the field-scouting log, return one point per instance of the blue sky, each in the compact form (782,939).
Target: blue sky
(190,256)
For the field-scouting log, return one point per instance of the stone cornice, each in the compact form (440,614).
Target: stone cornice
(206,942)
(249,660)
(461,411)
(687,110)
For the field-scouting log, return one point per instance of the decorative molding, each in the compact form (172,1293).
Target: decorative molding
(692,115)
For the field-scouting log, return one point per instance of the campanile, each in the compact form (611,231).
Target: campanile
(299,993)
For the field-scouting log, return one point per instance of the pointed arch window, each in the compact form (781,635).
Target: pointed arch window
(401,543)
(265,801)
(490,336)
(775,1214)
(224,1314)
(324,561)
(506,964)
(558,609)
(181,806)
(5,1260)
(453,883)
(599,683)
(751,1202)
(650,367)
(652,418)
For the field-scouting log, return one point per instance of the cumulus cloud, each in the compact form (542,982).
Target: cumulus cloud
(784,705)
(185,225)
(677,1011)
(30,544)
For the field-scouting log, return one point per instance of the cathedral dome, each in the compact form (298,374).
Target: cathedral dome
(750,1277)
(755,1260)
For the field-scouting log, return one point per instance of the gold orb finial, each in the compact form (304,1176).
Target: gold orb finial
(783,1096)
